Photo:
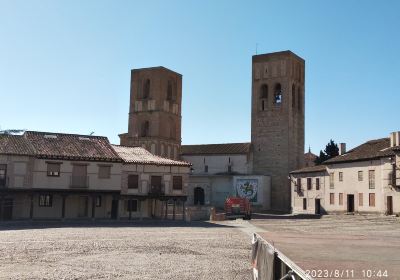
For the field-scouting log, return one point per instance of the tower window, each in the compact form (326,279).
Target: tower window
(299,102)
(145,129)
(172,131)
(264,97)
(146,89)
(278,94)
(293,96)
(169,91)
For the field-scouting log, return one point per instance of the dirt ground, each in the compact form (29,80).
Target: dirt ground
(340,246)
(124,251)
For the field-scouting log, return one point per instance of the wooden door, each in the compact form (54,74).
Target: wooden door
(389,203)
(83,207)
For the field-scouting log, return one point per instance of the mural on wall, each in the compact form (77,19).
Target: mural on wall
(247,188)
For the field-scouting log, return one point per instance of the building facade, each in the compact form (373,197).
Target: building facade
(223,170)
(65,176)
(366,180)
(277,120)
(155,111)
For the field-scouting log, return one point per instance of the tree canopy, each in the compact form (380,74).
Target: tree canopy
(331,151)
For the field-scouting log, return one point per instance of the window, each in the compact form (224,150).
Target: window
(360,176)
(45,200)
(298,185)
(205,168)
(304,203)
(169,91)
(293,96)
(299,99)
(133,181)
(332,180)
(360,199)
(278,94)
(309,184)
(98,201)
(317,186)
(371,179)
(3,175)
(264,97)
(53,169)
(104,171)
(331,198)
(131,205)
(340,176)
(177,182)
(145,129)
(372,200)
(146,89)
(340,198)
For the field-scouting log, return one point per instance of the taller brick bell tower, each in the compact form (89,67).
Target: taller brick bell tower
(155,111)
(277,120)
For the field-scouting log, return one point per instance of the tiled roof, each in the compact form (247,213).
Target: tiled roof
(311,169)
(231,148)
(369,150)
(15,145)
(71,146)
(142,156)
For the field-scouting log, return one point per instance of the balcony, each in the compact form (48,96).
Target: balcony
(80,182)
(157,190)
(4,182)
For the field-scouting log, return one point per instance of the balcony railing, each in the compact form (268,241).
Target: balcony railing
(79,181)
(157,190)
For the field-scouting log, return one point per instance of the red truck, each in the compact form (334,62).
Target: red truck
(237,207)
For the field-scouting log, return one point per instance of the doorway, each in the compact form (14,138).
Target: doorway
(6,209)
(198,196)
(83,207)
(318,206)
(389,205)
(114,209)
(350,203)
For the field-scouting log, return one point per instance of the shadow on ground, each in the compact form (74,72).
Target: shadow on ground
(24,225)
(269,216)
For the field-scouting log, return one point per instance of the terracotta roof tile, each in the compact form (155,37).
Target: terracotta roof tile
(231,148)
(311,169)
(15,145)
(71,146)
(369,150)
(142,156)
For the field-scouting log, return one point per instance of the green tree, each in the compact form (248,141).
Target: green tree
(331,151)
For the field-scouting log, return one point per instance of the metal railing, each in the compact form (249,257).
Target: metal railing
(157,190)
(79,181)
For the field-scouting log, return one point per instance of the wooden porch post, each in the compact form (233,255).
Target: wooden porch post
(130,208)
(64,197)
(173,210)
(166,209)
(93,207)
(31,196)
(183,210)
(1,208)
(140,209)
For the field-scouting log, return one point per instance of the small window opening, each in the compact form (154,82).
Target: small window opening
(278,94)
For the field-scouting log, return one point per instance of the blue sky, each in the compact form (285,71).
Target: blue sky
(65,65)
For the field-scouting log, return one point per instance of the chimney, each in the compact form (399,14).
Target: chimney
(397,138)
(394,139)
(342,148)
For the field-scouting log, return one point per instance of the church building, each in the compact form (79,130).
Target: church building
(258,169)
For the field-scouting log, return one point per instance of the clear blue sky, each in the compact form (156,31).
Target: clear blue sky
(65,65)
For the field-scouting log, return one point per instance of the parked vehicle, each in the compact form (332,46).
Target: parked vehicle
(237,207)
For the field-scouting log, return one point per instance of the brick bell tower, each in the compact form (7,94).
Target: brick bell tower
(155,111)
(277,120)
